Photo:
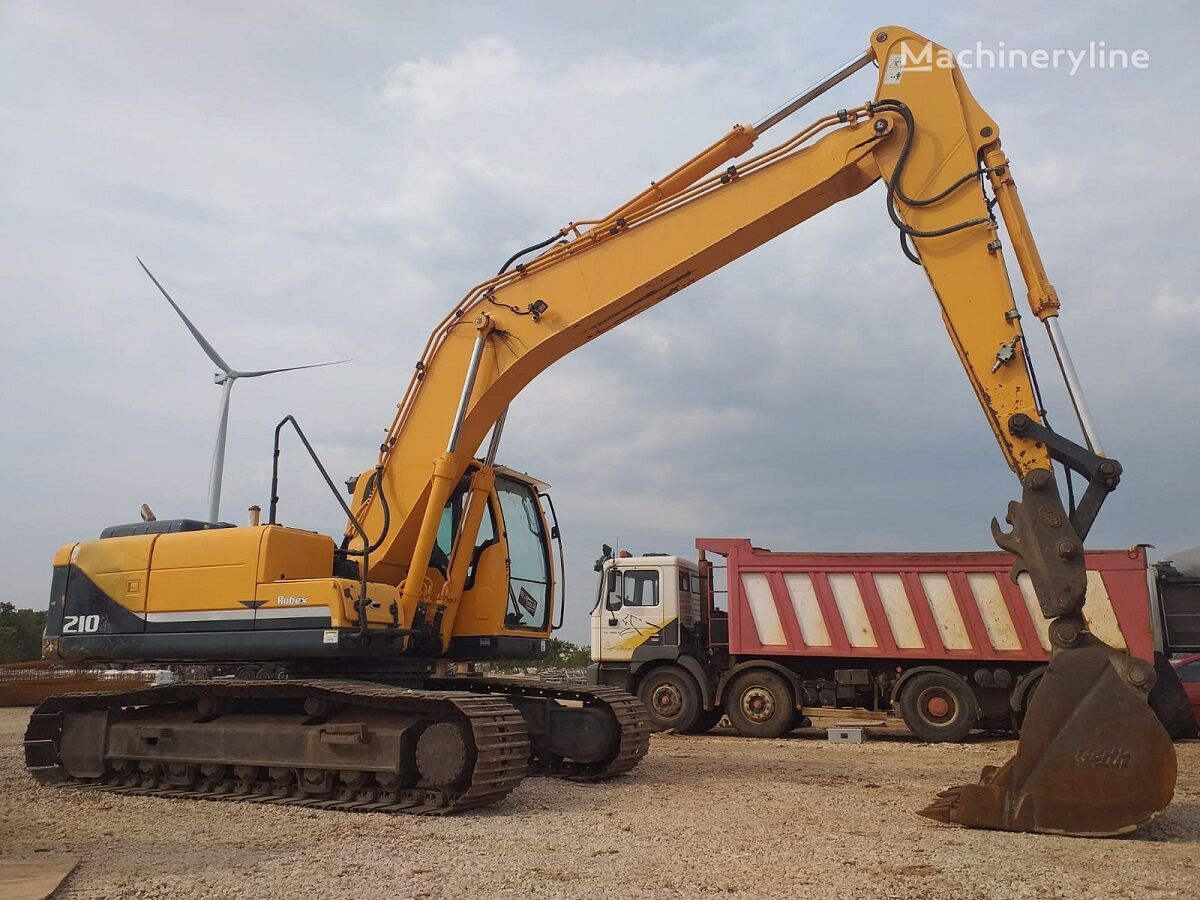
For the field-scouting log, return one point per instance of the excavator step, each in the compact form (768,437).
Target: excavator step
(322,744)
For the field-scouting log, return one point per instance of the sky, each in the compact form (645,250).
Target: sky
(315,181)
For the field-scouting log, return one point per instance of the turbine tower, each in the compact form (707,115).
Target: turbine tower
(226,377)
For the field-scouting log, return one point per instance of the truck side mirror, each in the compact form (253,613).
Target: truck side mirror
(613,602)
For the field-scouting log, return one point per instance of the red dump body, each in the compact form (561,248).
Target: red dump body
(916,605)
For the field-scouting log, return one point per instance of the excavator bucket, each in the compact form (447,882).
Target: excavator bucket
(1092,760)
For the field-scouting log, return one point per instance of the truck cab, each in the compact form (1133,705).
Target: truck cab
(645,606)
(648,637)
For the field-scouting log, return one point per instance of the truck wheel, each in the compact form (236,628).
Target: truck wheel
(672,700)
(707,721)
(938,707)
(1170,702)
(1018,716)
(759,703)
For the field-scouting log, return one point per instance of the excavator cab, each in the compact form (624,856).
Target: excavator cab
(512,551)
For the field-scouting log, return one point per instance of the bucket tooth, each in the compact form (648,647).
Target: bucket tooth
(1093,759)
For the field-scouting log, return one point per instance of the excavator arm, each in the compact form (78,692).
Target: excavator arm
(1093,759)
(923,136)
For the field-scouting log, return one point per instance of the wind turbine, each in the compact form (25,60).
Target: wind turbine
(226,377)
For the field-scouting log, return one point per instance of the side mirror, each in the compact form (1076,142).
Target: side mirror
(613,602)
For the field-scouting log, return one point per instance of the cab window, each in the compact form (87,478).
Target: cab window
(485,538)
(448,527)
(639,587)
(528,563)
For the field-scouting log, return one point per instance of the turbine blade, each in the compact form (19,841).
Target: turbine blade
(336,362)
(200,339)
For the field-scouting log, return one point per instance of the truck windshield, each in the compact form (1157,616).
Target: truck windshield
(529,564)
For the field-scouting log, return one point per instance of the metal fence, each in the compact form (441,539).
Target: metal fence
(30,686)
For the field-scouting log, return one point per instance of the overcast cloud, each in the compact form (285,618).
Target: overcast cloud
(314,180)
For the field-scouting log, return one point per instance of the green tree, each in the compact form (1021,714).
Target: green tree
(20,633)
(560,654)
(566,655)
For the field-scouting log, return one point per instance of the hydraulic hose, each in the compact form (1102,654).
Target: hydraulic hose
(894,190)
(373,485)
(561,233)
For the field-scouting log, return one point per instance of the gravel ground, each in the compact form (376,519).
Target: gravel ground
(707,815)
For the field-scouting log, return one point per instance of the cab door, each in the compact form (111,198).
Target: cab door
(632,614)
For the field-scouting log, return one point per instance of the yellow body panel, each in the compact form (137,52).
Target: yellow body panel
(338,596)
(484,605)
(286,553)
(204,570)
(118,566)
(222,568)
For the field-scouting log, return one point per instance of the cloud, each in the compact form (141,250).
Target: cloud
(489,72)
(440,90)
(1172,308)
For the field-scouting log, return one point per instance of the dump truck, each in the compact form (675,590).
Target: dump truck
(947,640)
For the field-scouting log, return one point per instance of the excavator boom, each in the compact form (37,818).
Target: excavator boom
(938,155)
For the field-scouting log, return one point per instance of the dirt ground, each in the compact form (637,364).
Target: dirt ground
(709,815)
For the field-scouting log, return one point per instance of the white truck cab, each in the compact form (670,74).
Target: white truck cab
(641,604)
(646,619)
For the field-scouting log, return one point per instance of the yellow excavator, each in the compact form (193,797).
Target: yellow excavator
(448,556)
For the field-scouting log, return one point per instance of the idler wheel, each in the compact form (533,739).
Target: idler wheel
(445,755)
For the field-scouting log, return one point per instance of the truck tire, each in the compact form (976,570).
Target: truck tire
(938,707)
(707,721)
(672,700)
(1170,702)
(1018,716)
(759,703)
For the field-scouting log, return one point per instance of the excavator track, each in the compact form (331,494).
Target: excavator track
(430,752)
(631,743)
